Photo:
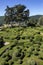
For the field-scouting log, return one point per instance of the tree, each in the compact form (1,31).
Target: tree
(16,13)
(32,22)
(20,8)
(8,14)
(40,21)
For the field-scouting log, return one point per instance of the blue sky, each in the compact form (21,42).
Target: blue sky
(35,6)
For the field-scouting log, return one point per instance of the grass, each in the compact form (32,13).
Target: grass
(26,46)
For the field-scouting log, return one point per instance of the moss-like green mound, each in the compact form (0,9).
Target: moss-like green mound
(26,46)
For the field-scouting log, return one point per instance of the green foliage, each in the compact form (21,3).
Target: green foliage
(32,22)
(37,39)
(40,21)
(16,13)
(35,18)
(32,62)
(25,46)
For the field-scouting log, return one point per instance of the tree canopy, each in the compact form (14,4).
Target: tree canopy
(16,13)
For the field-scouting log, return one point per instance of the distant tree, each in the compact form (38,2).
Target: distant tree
(32,22)
(40,22)
(16,13)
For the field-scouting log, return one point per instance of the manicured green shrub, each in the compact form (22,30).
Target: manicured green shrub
(18,37)
(13,44)
(11,62)
(27,46)
(22,55)
(7,37)
(21,62)
(4,63)
(29,52)
(21,43)
(29,55)
(8,58)
(37,39)
(20,50)
(3,29)
(18,47)
(38,32)
(31,38)
(33,62)
(36,53)
(7,30)
(18,54)
(38,49)
(23,37)
(40,57)
(25,50)
(4,55)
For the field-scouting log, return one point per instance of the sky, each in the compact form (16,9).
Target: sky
(35,6)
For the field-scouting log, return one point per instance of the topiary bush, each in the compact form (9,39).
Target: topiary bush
(4,63)
(40,57)
(38,49)
(11,62)
(29,55)
(18,37)
(36,53)
(22,55)
(8,58)
(31,38)
(38,32)
(37,39)
(23,37)
(20,61)
(33,62)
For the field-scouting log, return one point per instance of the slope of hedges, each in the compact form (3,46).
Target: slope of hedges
(26,46)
